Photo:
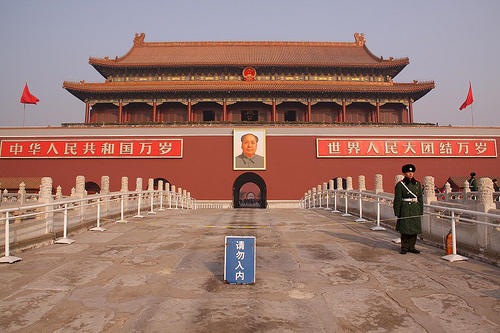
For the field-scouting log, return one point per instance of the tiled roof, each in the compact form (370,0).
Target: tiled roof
(352,54)
(297,86)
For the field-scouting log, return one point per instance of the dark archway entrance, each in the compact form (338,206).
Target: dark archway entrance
(92,188)
(249,191)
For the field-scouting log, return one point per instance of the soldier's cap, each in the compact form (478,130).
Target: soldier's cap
(472,174)
(408,168)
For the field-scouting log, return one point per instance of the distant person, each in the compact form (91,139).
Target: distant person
(495,185)
(408,206)
(472,182)
(248,159)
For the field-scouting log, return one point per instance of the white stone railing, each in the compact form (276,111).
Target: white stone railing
(474,224)
(29,223)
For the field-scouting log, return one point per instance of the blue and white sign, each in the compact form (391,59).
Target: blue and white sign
(239,259)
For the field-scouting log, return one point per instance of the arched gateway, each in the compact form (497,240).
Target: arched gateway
(249,191)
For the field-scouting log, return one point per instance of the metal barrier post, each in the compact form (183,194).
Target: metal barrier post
(122,220)
(346,204)
(320,198)
(360,219)
(65,239)
(454,256)
(7,258)
(327,195)
(169,200)
(378,227)
(161,209)
(335,210)
(176,200)
(98,227)
(152,212)
(139,206)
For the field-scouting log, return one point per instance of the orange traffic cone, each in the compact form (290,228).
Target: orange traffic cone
(449,243)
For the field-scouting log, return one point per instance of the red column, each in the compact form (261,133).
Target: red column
(273,115)
(224,111)
(309,111)
(120,109)
(189,111)
(87,112)
(410,110)
(154,111)
(378,112)
(343,111)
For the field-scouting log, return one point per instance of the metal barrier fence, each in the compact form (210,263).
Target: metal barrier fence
(332,199)
(44,213)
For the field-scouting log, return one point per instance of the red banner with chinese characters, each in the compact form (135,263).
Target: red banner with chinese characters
(376,147)
(146,148)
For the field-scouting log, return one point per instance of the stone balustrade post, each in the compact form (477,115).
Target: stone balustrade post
(124,189)
(184,198)
(59,193)
(379,183)
(348,184)
(466,188)
(429,194)
(313,193)
(21,199)
(105,191)
(4,195)
(179,198)
(484,203)
(447,191)
(340,186)
(73,192)
(361,183)
(138,184)
(45,196)
(80,193)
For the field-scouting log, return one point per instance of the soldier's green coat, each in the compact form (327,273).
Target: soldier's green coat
(408,213)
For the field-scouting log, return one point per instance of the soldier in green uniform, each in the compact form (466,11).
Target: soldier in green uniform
(408,207)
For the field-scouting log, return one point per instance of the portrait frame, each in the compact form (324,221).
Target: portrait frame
(260,133)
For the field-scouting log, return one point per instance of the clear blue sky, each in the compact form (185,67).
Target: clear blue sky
(448,41)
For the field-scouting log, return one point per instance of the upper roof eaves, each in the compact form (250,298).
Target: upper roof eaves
(248,53)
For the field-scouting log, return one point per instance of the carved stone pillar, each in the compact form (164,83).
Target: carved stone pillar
(45,196)
(138,184)
(429,193)
(361,183)
(59,193)
(379,183)
(466,187)
(447,188)
(22,194)
(160,185)
(339,184)
(105,185)
(80,186)
(484,204)
(151,184)
(331,185)
(348,184)
(124,187)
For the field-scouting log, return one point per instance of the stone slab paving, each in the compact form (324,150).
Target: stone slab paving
(316,272)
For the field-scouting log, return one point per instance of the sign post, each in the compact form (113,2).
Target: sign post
(239,259)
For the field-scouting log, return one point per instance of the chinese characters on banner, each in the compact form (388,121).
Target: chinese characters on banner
(113,148)
(375,147)
(239,260)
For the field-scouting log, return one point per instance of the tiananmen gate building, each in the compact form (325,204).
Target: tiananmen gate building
(263,121)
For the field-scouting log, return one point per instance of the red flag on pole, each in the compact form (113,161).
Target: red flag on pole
(27,97)
(469,99)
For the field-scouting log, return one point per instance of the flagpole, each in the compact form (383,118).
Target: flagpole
(24,117)
(472,115)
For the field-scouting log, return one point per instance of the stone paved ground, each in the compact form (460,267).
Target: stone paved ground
(316,272)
